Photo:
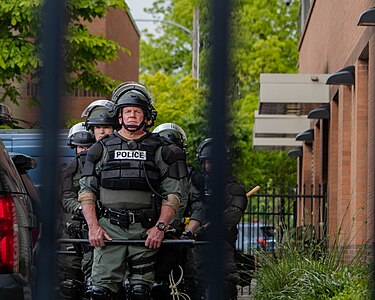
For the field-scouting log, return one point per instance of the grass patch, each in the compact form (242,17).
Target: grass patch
(310,271)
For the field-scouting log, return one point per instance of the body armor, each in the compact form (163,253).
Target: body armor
(130,164)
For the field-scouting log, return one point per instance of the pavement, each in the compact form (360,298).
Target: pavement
(246,293)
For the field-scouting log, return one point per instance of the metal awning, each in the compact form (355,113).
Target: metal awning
(295,94)
(278,132)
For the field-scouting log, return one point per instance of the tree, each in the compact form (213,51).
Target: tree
(171,51)
(179,101)
(20,51)
(264,38)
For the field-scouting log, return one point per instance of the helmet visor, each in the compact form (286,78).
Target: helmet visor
(79,127)
(98,103)
(167,128)
(128,86)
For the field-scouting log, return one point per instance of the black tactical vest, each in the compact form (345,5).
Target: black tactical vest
(128,161)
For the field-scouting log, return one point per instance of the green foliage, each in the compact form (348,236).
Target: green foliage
(171,51)
(180,102)
(304,269)
(20,51)
(69,123)
(264,39)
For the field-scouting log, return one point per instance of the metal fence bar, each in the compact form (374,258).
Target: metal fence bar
(51,94)
(278,209)
(219,68)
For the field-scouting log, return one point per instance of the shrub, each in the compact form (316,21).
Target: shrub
(310,271)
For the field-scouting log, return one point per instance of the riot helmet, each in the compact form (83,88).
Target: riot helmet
(134,94)
(98,113)
(79,136)
(204,150)
(173,133)
(127,86)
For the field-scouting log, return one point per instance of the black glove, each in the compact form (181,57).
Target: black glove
(186,235)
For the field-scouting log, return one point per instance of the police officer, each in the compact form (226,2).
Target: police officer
(133,172)
(98,123)
(234,208)
(80,139)
(171,258)
(99,119)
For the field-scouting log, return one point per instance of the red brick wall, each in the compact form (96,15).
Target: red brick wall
(332,35)
(331,41)
(371,142)
(344,188)
(117,25)
(358,205)
(333,169)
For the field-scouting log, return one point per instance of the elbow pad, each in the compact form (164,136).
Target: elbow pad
(174,157)
(238,196)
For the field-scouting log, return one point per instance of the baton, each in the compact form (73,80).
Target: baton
(254,190)
(132,242)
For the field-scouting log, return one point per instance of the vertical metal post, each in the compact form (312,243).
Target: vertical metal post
(51,94)
(219,78)
(195,37)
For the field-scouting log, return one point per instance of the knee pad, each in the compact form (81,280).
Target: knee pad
(140,292)
(71,289)
(100,293)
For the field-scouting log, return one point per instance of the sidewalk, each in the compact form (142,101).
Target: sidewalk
(244,294)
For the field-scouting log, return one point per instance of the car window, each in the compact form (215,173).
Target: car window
(9,177)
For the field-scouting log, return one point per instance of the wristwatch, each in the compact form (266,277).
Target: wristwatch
(161,226)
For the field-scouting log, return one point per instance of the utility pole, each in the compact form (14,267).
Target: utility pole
(194,35)
(195,38)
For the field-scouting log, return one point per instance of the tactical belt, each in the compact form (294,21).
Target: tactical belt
(123,217)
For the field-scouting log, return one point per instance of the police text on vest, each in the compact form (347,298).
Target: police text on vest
(130,154)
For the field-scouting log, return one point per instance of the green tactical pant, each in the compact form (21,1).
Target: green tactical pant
(110,262)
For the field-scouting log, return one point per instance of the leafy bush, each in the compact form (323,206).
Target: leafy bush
(310,271)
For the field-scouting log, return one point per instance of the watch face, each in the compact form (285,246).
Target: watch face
(160,226)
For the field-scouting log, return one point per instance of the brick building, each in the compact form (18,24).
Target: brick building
(117,25)
(334,92)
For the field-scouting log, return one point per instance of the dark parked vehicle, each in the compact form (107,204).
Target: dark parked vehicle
(29,142)
(18,224)
(255,236)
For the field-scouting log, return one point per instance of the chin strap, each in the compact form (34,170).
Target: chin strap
(133,128)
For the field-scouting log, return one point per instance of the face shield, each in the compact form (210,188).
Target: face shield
(128,86)
(167,129)
(79,127)
(98,103)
